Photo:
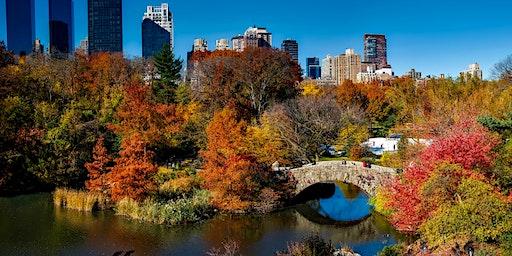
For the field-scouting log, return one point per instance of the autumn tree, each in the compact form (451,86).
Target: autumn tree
(252,80)
(132,173)
(467,144)
(98,168)
(154,122)
(228,168)
(306,123)
(503,69)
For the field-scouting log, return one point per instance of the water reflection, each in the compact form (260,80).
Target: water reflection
(30,225)
(347,204)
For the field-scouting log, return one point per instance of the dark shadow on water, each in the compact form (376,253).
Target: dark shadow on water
(313,192)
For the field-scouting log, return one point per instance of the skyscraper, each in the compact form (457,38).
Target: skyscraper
(313,69)
(291,47)
(329,71)
(20,26)
(61,27)
(105,18)
(375,50)
(157,29)
(348,65)
(253,37)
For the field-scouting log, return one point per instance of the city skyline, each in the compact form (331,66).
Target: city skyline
(434,38)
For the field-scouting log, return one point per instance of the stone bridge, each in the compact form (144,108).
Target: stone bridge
(368,179)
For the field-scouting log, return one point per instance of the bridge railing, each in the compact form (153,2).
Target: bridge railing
(356,164)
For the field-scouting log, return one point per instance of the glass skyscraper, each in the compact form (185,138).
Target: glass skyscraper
(61,27)
(375,50)
(154,38)
(313,69)
(20,26)
(105,23)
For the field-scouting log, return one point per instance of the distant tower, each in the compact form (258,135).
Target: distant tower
(157,29)
(258,37)
(291,47)
(200,45)
(105,24)
(84,46)
(329,71)
(222,44)
(61,27)
(348,66)
(313,69)
(20,26)
(238,43)
(473,72)
(375,50)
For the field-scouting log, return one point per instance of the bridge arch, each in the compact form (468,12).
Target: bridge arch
(366,178)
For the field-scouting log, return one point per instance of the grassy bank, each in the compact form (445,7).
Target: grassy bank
(80,200)
(172,212)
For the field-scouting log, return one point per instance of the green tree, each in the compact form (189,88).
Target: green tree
(480,214)
(168,68)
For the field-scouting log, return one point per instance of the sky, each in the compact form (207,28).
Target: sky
(434,37)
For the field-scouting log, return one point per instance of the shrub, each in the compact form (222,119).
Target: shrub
(392,250)
(311,246)
(229,248)
(80,200)
(172,212)
(380,202)
(390,159)
(181,186)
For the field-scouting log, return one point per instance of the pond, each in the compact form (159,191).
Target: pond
(31,225)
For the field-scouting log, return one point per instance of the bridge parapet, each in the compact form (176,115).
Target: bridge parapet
(366,178)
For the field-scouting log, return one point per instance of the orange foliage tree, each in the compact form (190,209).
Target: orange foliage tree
(154,122)
(228,169)
(98,169)
(132,174)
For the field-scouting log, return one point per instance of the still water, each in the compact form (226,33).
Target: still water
(30,225)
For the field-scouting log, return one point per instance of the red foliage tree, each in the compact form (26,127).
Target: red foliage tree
(132,174)
(98,169)
(227,169)
(467,144)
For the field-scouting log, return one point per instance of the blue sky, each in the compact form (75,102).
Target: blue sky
(436,36)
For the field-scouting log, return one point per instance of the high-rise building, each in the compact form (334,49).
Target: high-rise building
(348,66)
(313,69)
(61,27)
(253,37)
(84,46)
(258,37)
(20,26)
(238,43)
(375,50)
(222,44)
(105,24)
(329,71)
(472,72)
(291,47)
(157,29)
(38,47)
